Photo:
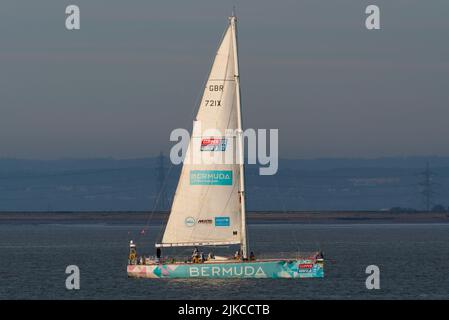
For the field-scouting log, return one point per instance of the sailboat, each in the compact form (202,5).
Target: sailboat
(208,208)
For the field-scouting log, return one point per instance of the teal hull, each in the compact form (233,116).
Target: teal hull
(274,269)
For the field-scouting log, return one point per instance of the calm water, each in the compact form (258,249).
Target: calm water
(413,259)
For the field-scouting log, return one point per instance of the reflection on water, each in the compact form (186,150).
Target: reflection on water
(413,260)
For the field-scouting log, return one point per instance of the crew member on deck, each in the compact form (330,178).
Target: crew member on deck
(195,255)
(237,255)
(195,252)
(252,257)
(210,256)
(132,253)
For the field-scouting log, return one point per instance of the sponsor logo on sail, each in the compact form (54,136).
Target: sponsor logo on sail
(222,221)
(213,144)
(211,177)
(205,221)
(189,221)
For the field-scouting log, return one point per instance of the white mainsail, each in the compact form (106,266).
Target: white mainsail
(208,208)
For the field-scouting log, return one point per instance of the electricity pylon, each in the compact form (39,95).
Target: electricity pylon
(427,185)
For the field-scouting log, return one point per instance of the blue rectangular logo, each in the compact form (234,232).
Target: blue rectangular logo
(211,177)
(222,221)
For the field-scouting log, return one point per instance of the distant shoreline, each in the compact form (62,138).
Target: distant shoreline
(303,217)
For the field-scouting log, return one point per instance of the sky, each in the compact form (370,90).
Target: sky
(135,70)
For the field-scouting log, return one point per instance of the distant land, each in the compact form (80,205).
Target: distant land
(108,184)
(307,217)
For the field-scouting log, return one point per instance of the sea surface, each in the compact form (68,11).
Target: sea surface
(413,261)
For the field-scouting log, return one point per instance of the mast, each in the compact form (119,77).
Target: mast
(244,243)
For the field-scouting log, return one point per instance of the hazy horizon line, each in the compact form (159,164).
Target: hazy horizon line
(280,158)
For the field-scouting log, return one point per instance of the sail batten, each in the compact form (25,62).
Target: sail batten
(206,209)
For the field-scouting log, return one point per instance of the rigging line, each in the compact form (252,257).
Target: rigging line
(233,109)
(237,82)
(176,196)
(242,196)
(167,217)
(230,196)
(284,210)
(156,203)
(233,96)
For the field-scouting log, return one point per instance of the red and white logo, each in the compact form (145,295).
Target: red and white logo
(213,144)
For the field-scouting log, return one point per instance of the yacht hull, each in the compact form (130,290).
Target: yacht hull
(274,269)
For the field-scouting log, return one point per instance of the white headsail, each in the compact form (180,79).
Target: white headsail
(208,208)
